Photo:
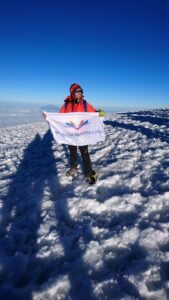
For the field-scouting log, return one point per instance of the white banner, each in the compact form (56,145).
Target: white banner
(77,129)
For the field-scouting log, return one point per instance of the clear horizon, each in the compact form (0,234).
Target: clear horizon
(28,105)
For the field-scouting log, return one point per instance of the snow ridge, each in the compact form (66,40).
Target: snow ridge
(62,239)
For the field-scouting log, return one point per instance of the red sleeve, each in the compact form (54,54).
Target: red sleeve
(90,108)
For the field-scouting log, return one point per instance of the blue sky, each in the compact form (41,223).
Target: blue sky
(117,50)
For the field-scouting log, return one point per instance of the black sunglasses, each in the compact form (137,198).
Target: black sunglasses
(79,91)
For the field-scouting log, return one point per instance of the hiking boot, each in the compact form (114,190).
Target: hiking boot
(91,178)
(72,172)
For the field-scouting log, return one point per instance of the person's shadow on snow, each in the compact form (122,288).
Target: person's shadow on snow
(21,219)
(23,272)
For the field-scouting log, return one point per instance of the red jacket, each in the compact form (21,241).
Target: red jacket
(72,106)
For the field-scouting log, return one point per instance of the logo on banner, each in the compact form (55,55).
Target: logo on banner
(77,126)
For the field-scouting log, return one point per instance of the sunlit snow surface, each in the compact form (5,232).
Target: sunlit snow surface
(68,240)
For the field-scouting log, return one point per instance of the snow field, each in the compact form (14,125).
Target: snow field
(63,239)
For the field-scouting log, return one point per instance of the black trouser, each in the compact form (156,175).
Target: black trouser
(85,157)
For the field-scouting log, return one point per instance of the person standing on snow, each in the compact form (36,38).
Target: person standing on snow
(76,103)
